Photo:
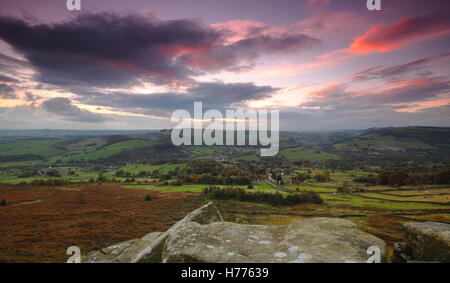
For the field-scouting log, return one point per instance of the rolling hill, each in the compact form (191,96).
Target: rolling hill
(72,147)
(398,140)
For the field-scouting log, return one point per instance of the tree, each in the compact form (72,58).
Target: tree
(344,188)
(2,202)
(148,197)
(322,176)
(102,178)
(383,178)
(442,177)
(398,178)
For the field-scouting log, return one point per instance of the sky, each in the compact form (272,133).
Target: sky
(324,64)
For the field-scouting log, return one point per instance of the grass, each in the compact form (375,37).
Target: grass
(201,151)
(136,168)
(375,141)
(410,192)
(250,157)
(195,188)
(93,217)
(424,198)
(358,201)
(15,180)
(109,150)
(310,188)
(45,147)
(300,153)
(20,163)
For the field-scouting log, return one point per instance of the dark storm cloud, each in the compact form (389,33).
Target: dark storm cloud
(215,95)
(109,50)
(7,92)
(104,49)
(64,108)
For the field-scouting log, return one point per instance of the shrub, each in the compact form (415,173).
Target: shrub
(262,197)
(322,176)
(148,197)
(49,182)
(2,202)
(398,178)
(250,186)
(80,199)
(102,178)
(369,179)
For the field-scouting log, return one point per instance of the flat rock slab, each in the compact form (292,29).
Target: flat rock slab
(428,241)
(304,241)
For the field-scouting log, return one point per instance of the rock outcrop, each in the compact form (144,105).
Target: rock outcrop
(204,215)
(202,236)
(425,242)
(122,252)
(314,240)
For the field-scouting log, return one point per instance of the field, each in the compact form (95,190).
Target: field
(196,188)
(107,151)
(391,140)
(299,153)
(39,224)
(136,168)
(296,154)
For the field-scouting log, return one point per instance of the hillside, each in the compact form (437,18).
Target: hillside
(422,139)
(30,148)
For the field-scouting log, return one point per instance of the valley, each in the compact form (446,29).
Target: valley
(96,190)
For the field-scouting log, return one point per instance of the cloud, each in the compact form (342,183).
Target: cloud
(317,3)
(214,95)
(333,90)
(391,72)
(64,107)
(398,72)
(6,79)
(342,98)
(7,92)
(394,36)
(105,49)
(304,119)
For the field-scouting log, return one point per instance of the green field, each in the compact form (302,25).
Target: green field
(196,188)
(109,150)
(300,153)
(358,201)
(136,168)
(376,141)
(44,147)
(296,154)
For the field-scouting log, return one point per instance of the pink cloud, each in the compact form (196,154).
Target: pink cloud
(394,36)
(317,3)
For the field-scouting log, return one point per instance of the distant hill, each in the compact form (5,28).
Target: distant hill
(399,140)
(46,133)
(59,147)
